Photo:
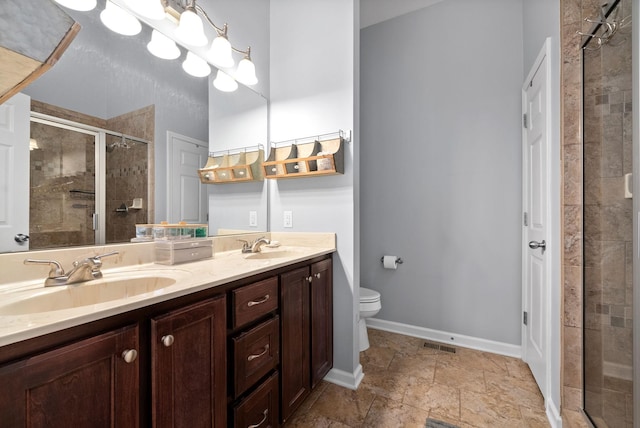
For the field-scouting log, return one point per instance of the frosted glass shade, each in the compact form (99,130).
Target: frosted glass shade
(196,66)
(81,5)
(190,29)
(225,83)
(246,72)
(151,9)
(119,20)
(162,46)
(220,53)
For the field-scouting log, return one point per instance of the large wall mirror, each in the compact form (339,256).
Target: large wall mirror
(147,106)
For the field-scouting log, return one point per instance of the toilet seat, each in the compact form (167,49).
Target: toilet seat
(368,296)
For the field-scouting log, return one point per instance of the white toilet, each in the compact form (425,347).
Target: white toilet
(369,306)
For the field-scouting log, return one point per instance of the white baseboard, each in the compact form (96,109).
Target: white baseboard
(346,379)
(553,414)
(448,338)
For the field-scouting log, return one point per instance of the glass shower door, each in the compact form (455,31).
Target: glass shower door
(62,186)
(608,226)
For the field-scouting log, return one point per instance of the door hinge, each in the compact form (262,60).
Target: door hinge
(524,120)
(525,317)
(526,219)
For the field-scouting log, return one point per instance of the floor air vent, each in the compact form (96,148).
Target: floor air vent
(439,347)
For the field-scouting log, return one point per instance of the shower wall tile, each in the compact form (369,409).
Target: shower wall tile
(572,235)
(612,190)
(593,359)
(617,345)
(572,358)
(571,398)
(572,174)
(612,146)
(572,297)
(617,222)
(627,143)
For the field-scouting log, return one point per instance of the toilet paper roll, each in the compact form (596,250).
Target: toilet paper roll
(390,262)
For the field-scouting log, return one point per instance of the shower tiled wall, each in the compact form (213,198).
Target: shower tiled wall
(607,217)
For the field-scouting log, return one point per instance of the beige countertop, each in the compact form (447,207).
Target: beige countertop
(26,310)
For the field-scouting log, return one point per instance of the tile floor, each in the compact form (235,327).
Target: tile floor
(405,383)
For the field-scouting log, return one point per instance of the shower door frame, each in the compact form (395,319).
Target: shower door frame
(635,89)
(99,134)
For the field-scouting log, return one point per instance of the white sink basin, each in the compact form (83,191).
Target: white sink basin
(86,294)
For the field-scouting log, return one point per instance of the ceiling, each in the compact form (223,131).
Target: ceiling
(375,11)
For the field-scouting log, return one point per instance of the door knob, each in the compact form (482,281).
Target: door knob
(21,238)
(129,355)
(534,245)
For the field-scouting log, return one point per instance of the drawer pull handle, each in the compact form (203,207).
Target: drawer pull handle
(264,418)
(129,355)
(258,302)
(254,356)
(167,340)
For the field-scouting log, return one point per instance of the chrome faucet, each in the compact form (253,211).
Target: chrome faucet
(82,271)
(255,246)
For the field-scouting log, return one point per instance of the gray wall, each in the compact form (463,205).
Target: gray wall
(313,72)
(104,74)
(541,19)
(441,167)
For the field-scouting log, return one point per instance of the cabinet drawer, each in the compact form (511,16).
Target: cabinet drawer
(253,301)
(255,353)
(260,408)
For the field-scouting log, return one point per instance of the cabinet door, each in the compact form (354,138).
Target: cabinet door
(321,296)
(294,358)
(188,366)
(85,384)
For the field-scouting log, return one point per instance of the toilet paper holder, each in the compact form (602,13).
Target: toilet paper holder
(398,260)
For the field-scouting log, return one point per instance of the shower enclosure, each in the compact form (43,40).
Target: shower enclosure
(608,219)
(83,181)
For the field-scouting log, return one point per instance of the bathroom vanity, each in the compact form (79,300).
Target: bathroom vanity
(236,341)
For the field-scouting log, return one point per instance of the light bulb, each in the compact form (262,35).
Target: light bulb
(225,83)
(196,66)
(162,46)
(151,9)
(119,20)
(246,72)
(81,5)
(190,29)
(220,53)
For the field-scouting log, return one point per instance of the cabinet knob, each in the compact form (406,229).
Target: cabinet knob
(310,279)
(264,418)
(129,355)
(317,275)
(167,340)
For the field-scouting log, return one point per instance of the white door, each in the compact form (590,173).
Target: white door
(187,196)
(14,173)
(536,223)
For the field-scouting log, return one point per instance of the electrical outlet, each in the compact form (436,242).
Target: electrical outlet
(253,219)
(288,219)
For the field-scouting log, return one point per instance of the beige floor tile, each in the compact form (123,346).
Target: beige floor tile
(534,418)
(397,342)
(519,369)
(474,360)
(414,365)
(440,400)
(343,405)
(309,419)
(313,397)
(377,356)
(515,391)
(483,410)
(386,383)
(386,413)
(460,377)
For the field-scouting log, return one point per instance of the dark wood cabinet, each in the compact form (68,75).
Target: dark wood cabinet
(91,383)
(260,408)
(306,311)
(188,366)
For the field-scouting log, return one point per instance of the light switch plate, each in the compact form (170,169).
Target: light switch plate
(253,218)
(288,219)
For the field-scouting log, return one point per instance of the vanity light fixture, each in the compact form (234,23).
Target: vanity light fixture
(246,72)
(81,5)
(190,28)
(225,83)
(220,52)
(162,46)
(196,66)
(151,9)
(119,20)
